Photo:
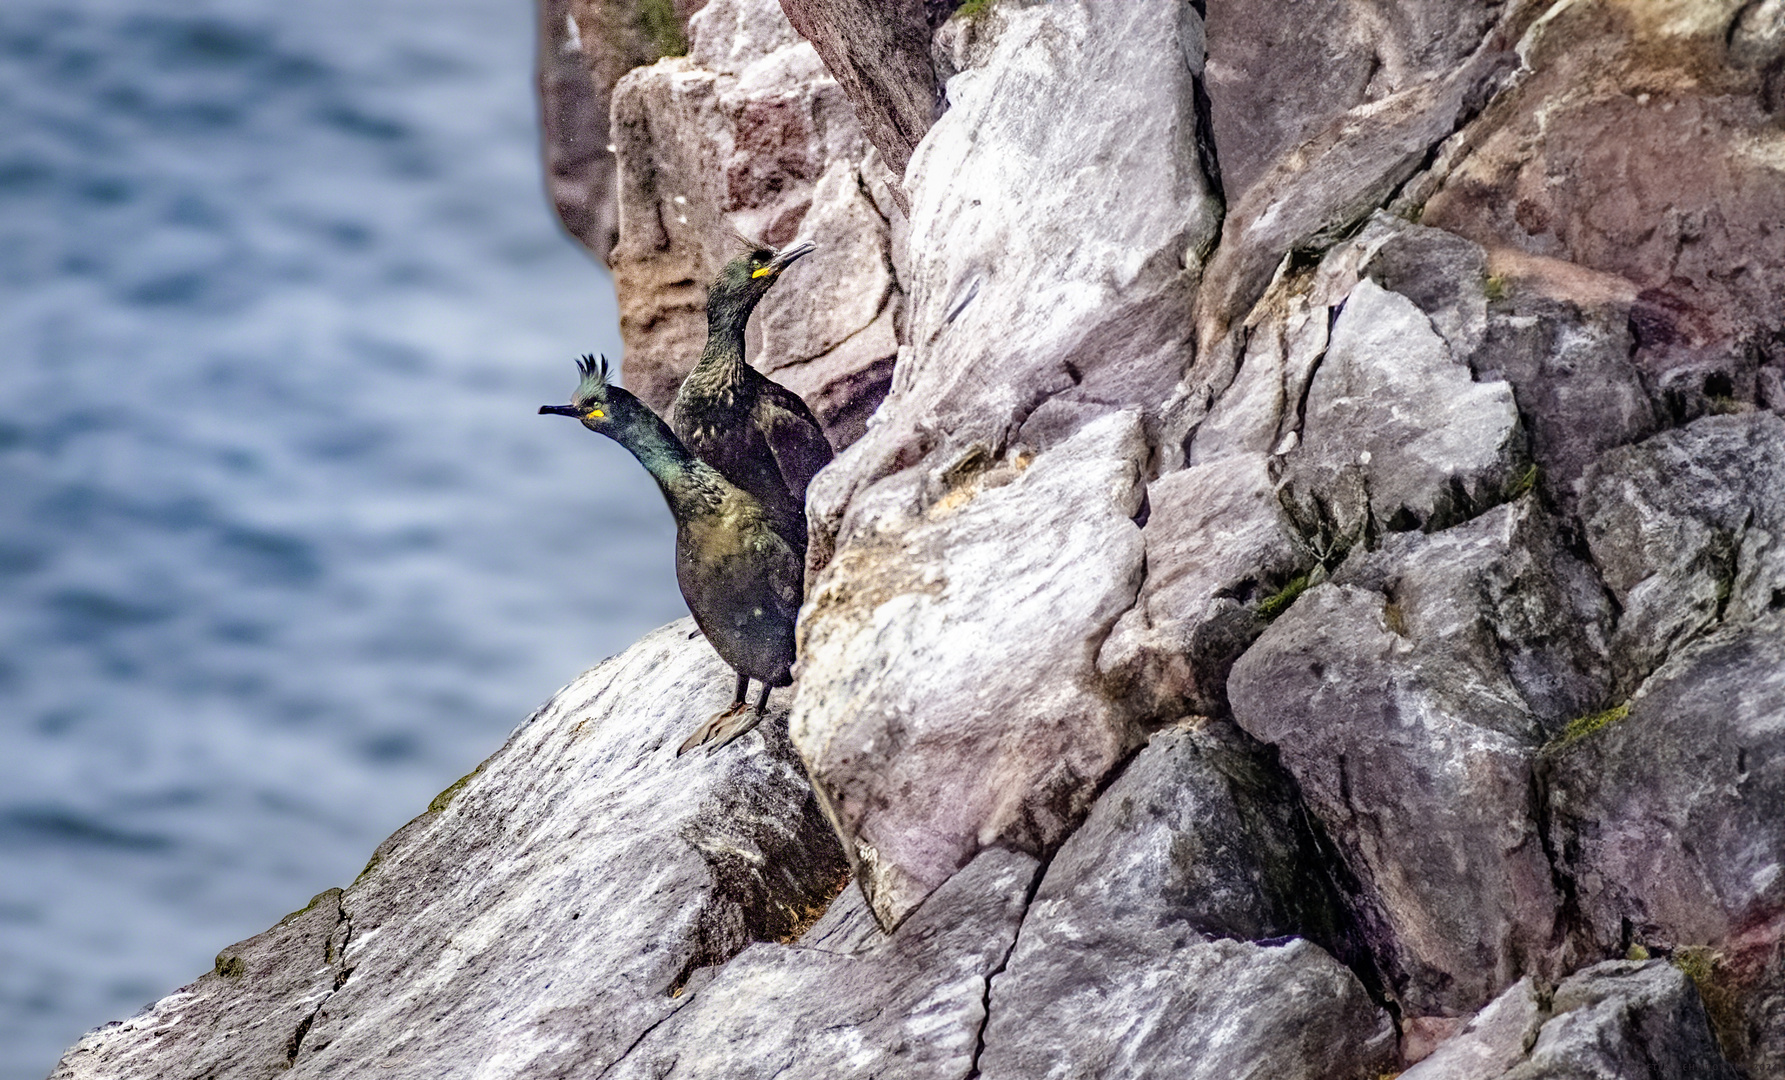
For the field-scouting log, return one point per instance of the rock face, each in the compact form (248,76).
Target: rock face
(1137,959)
(1668,811)
(584,48)
(1688,530)
(504,925)
(748,136)
(1397,434)
(1310,604)
(1036,321)
(912,649)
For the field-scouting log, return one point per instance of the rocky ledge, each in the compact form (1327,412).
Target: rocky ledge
(1304,596)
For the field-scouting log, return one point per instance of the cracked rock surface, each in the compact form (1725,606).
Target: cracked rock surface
(1137,957)
(909,1005)
(935,718)
(1399,698)
(539,917)
(1631,1020)
(1302,595)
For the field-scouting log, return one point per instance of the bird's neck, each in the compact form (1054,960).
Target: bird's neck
(723,357)
(679,474)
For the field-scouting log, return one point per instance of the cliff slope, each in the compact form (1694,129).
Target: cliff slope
(1304,594)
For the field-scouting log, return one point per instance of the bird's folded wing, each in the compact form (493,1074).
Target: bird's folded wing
(793,435)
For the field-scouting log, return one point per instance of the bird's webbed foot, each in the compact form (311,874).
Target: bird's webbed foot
(722,728)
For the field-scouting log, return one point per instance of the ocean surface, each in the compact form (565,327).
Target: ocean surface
(284,549)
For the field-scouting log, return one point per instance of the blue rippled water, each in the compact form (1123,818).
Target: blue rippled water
(283,548)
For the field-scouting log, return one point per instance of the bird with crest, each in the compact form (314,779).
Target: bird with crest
(740,573)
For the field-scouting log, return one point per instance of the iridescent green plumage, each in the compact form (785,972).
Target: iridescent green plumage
(741,576)
(758,433)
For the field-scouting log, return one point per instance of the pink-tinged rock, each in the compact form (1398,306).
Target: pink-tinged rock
(749,136)
(1644,142)
(1409,697)
(949,698)
(585,46)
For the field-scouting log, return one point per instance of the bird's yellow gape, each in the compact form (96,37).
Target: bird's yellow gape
(761,270)
(593,414)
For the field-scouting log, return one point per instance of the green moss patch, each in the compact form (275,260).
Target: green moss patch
(1523,485)
(1722,1005)
(1278,602)
(657,18)
(1583,726)
(445,798)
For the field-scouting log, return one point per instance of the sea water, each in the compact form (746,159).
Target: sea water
(284,549)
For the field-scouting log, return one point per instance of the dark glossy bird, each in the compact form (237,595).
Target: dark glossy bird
(756,432)
(741,576)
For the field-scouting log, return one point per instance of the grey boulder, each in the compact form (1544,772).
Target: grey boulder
(1619,1020)
(1128,964)
(1398,434)
(1409,697)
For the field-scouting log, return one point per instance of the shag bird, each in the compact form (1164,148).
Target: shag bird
(741,576)
(756,432)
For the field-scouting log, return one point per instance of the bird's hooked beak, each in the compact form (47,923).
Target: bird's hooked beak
(561,410)
(785,259)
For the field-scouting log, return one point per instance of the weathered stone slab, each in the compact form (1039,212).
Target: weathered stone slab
(1688,530)
(1493,1041)
(1054,292)
(1121,969)
(1560,334)
(241,1020)
(539,917)
(585,46)
(1409,698)
(1310,198)
(879,52)
(1629,1020)
(1278,76)
(1640,143)
(949,697)
(903,1007)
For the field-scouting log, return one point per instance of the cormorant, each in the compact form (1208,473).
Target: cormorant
(756,432)
(741,576)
